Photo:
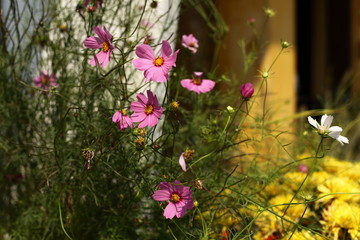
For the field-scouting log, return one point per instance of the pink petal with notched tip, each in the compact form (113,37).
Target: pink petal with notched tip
(93,42)
(162,195)
(145,51)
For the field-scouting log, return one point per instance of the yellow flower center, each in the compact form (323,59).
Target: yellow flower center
(175,198)
(123,112)
(197,81)
(174,105)
(105,46)
(322,130)
(158,61)
(149,109)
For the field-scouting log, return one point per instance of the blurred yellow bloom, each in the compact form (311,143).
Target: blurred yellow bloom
(339,185)
(342,220)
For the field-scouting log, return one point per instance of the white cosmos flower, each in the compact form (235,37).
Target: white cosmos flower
(325,129)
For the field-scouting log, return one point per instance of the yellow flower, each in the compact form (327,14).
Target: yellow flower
(339,185)
(303,235)
(342,219)
(333,165)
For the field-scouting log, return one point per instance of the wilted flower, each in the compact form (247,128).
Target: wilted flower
(247,90)
(45,81)
(190,42)
(179,198)
(146,110)
(122,119)
(325,130)
(155,68)
(140,143)
(102,42)
(197,84)
(88,154)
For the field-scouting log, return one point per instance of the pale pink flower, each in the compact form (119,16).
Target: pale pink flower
(146,110)
(190,42)
(182,162)
(247,90)
(102,42)
(303,168)
(155,68)
(197,84)
(122,119)
(179,198)
(45,81)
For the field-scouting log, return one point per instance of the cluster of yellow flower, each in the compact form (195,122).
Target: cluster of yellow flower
(325,207)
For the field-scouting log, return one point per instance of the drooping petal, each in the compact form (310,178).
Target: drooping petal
(93,42)
(182,162)
(107,35)
(342,140)
(145,51)
(326,120)
(162,195)
(100,33)
(165,185)
(313,122)
(101,58)
(170,211)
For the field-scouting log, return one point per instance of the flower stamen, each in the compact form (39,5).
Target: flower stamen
(105,47)
(149,109)
(159,61)
(175,198)
(197,81)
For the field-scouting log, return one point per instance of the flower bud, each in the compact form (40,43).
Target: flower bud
(285,44)
(269,12)
(230,109)
(247,90)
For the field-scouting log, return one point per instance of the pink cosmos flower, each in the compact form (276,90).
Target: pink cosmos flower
(155,68)
(45,81)
(190,42)
(146,110)
(122,119)
(179,198)
(197,84)
(102,42)
(247,90)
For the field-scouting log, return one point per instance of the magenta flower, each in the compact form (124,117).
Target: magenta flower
(122,119)
(190,42)
(247,90)
(146,110)
(179,198)
(197,84)
(155,68)
(45,81)
(98,3)
(102,42)
(303,168)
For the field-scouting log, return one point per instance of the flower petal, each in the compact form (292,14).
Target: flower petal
(93,42)
(334,131)
(313,122)
(100,33)
(170,211)
(182,162)
(143,64)
(162,195)
(326,120)
(145,51)
(342,140)
(166,48)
